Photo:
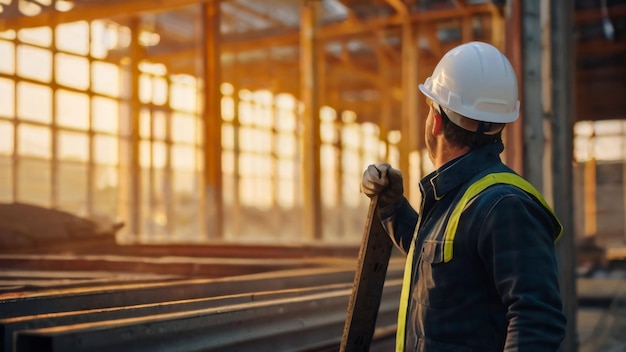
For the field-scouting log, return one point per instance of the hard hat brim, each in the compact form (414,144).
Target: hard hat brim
(472,113)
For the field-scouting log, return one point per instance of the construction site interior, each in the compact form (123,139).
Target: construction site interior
(183,175)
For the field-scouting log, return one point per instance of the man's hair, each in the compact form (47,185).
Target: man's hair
(461,137)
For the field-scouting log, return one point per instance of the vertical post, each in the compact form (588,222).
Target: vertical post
(386,108)
(410,96)
(236,205)
(136,54)
(624,177)
(311,140)
(561,14)
(513,133)
(590,205)
(54,145)
(532,97)
(211,114)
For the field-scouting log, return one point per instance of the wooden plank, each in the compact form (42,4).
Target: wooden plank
(369,280)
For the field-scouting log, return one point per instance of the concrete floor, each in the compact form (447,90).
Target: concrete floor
(602,328)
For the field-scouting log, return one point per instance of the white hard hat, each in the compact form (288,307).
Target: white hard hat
(477,81)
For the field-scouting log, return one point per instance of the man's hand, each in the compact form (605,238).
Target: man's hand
(383,181)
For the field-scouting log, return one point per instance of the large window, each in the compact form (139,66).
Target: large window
(89,129)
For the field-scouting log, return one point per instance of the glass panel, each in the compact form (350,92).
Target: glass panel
(72,109)
(7,98)
(263,110)
(285,145)
(183,157)
(159,91)
(34,141)
(159,155)
(253,139)
(105,78)
(106,149)
(41,36)
(158,205)
(146,208)
(285,198)
(183,128)
(105,194)
(6,178)
(73,146)
(154,214)
(105,114)
(328,133)
(72,71)
(34,182)
(145,88)
(7,57)
(186,215)
(228,162)
(228,136)
(107,35)
(246,115)
(72,191)
(145,155)
(351,135)
(6,138)
(144,124)
(73,37)
(183,93)
(285,120)
(159,126)
(27,93)
(228,109)
(34,63)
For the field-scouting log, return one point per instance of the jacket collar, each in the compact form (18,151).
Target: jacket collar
(462,169)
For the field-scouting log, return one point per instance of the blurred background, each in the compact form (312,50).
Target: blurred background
(147,143)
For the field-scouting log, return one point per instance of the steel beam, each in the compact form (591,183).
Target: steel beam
(206,267)
(82,298)
(11,325)
(299,323)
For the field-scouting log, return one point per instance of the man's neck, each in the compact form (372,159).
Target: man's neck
(447,152)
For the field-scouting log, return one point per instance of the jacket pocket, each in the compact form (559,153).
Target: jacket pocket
(432,252)
(428,288)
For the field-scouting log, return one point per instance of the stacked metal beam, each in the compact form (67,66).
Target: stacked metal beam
(291,305)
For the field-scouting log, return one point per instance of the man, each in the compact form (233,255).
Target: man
(481,271)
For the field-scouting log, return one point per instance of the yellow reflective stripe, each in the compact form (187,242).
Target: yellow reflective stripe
(404,297)
(474,190)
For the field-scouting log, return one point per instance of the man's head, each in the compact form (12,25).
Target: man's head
(472,94)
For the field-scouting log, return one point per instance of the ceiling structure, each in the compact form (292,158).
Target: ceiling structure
(361,41)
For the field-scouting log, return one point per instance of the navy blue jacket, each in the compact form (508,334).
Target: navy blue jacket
(500,291)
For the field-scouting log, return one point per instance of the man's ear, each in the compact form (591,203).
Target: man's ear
(437,123)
